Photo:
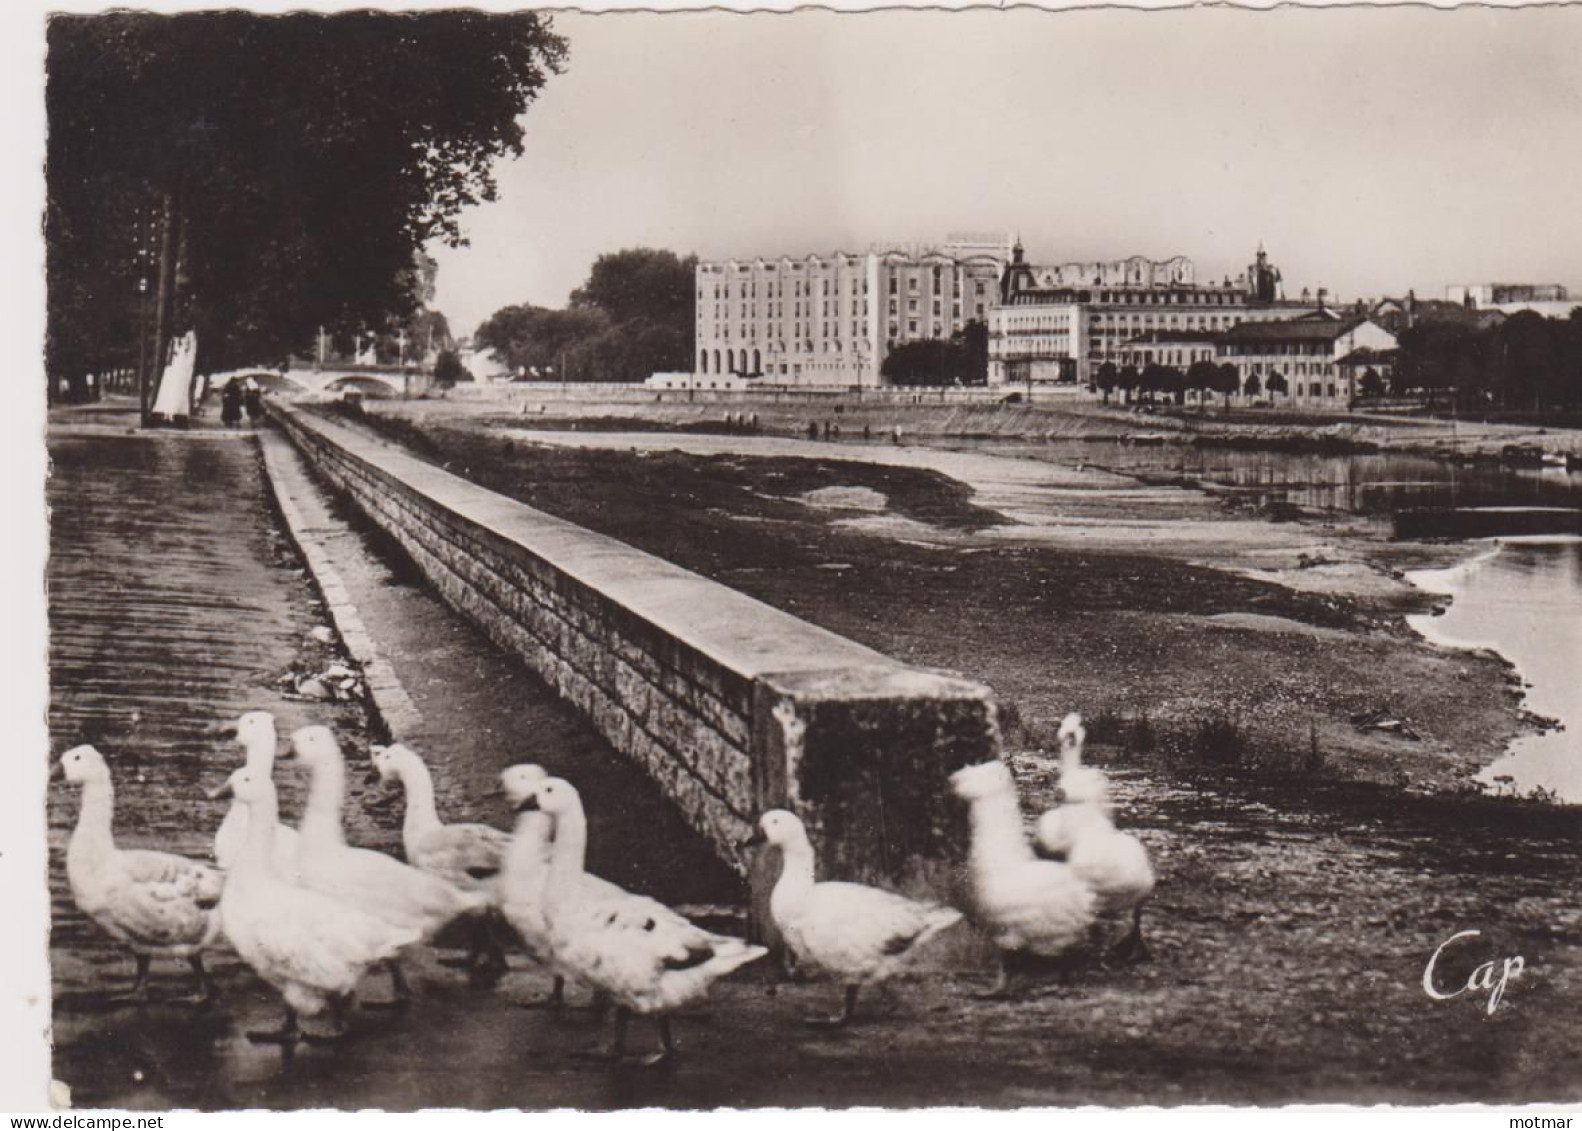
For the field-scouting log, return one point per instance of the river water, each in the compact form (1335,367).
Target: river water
(1523,598)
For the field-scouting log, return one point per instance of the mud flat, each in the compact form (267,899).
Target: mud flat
(1189,633)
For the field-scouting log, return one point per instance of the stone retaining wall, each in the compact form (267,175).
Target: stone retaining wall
(731,706)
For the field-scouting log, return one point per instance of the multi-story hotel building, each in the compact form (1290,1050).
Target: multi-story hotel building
(831,320)
(1059,324)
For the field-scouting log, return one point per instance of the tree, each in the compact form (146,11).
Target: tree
(926,362)
(973,339)
(1106,379)
(1127,381)
(535,338)
(1277,384)
(1253,386)
(640,283)
(294,165)
(647,300)
(1226,380)
(1370,384)
(448,368)
(1201,376)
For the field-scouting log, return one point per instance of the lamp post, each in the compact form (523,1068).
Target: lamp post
(142,345)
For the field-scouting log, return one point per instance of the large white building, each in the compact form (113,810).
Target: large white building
(829,321)
(1059,324)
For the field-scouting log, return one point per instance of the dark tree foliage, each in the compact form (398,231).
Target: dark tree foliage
(646,297)
(1106,379)
(1127,381)
(1226,381)
(1277,384)
(448,368)
(1253,386)
(535,338)
(303,161)
(1370,384)
(640,282)
(962,360)
(1202,377)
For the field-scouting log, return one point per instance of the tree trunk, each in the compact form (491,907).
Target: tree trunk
(165,303)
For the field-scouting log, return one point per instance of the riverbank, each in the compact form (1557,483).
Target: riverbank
(1189,634)
(1060,414)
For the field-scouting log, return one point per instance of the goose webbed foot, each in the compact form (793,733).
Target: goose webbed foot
(839,1020)
(287,1036)
(1132,948)
(616,1053)
(206,992)
(138,994)
(1008,982)
(556,998)
(400,992)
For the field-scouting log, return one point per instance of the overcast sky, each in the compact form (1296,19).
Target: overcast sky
(1372,150)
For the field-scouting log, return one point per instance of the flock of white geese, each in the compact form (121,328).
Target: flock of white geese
(311,914)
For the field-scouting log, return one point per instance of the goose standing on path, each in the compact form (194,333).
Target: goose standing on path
(311,947)
(857,934)
(1031,907)
(1078,783)
(361,878)
(647,958)
(255,731)
(152,903)
(470,856)
(1114,864)
(526,873)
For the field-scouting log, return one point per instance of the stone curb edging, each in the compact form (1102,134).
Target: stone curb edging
(390,701)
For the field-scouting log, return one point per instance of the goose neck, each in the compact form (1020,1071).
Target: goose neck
(321,816)
(93,835)
(260,754)
(529,837)
(421,815)
(263,817)
(796,876)
(997,828)
(569,856)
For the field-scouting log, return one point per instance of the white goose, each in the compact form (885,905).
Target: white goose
(526,872)
(311,947)
(1031,907)
(361,878)
(1078,783)
(1114,864)
(471,856)
(645,957)
(152,903)
(255,731)
(857,934)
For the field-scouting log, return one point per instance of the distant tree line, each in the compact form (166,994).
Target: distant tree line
(1526,362)
(633,317)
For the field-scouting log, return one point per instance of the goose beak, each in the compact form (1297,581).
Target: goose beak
(529,804)
(56,771)
(753,841)
(374,778)
(221,730)
(497,791)
(219,792)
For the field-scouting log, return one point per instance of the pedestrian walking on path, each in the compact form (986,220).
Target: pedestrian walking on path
(231,404)
(253,399)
